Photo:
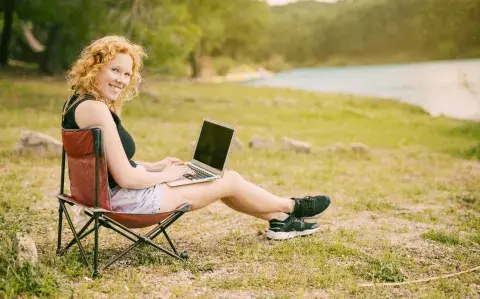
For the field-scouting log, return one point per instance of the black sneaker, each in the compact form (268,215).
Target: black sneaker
(290,228)
(310,206)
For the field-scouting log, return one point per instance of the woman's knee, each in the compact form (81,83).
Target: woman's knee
(232,176)
(232,180)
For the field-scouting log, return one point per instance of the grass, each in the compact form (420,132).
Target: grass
(407,208)
(442,237)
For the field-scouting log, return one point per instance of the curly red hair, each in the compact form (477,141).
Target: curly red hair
(82,76)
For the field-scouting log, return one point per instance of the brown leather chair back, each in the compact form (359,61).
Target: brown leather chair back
(84,148)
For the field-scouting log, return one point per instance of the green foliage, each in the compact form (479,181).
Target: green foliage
(164,28)
(78,21)
(374,31)
(223,64)
(442,237)
(305,33)
(276,63)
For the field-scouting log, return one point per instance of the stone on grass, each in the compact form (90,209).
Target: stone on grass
(26,248)
(337,148)
(296,145)
(38,143)
(359,148)
(237,144)
(257,142)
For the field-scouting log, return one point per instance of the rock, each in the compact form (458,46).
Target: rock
(26,248)
(237,144)
(359,148)
(40,144)
(337,148)
(296,145)
(356,148)
(261,143)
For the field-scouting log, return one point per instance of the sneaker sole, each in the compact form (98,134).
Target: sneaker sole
(289,235)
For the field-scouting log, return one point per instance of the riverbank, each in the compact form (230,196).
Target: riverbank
(407,207)
(450,88)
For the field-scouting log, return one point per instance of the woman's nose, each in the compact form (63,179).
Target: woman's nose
(123,79)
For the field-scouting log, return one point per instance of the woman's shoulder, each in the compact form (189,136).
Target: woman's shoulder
(91,106)
(95,111)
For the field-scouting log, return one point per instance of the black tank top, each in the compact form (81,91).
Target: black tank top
(127,141)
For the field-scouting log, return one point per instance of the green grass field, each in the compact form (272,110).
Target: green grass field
(408,208)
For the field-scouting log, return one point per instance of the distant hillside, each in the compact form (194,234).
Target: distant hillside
(374,31)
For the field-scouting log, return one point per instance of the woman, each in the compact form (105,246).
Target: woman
(106,74)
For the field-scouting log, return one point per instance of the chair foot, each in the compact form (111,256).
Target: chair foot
(59,252)
(184,255)
(96,274)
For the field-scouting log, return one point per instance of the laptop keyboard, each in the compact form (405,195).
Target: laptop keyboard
(199,174)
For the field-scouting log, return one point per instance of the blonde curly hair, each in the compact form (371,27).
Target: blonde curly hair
(82,76)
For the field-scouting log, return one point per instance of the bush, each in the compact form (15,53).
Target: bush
(223,64)
(277,63)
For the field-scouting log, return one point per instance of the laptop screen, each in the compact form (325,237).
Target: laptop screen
(213,144)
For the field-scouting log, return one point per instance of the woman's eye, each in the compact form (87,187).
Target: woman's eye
(115,69)
(128,75)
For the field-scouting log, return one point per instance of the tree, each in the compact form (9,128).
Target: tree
(8,8)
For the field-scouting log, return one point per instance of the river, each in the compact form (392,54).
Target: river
(450,88)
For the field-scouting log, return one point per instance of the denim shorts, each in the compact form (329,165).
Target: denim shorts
(136,201)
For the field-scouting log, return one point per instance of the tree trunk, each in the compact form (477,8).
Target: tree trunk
(50,62)
(193,59)
(7,31)
(133,18)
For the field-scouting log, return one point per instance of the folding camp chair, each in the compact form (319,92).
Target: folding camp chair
(89,189)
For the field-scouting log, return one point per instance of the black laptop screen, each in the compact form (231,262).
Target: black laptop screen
(213,144)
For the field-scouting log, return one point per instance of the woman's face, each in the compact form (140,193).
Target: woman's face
(113,77)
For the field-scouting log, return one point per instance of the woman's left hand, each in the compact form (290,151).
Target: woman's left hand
(160,165)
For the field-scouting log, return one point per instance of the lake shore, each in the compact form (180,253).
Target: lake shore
(449,88)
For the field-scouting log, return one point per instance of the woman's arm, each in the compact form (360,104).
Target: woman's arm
(160,165)
(93,113)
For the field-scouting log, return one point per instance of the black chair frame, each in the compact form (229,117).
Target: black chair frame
(98,216)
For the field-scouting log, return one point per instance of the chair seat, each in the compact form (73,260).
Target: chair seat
(130,220)
(143,220)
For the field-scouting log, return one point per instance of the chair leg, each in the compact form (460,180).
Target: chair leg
(95,246)
(60,220)
(81,236)
(169,241)
(142,239)
(72,228)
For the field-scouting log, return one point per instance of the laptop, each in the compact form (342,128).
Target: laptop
(210,154)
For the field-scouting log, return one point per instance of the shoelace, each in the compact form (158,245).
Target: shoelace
(308,204)
(295,219)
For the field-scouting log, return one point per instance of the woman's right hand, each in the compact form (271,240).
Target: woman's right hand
(174,172)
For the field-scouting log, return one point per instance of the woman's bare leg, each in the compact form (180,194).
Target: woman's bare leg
(249,198)
(268,216)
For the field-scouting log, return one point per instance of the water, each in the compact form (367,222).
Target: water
(450,88)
